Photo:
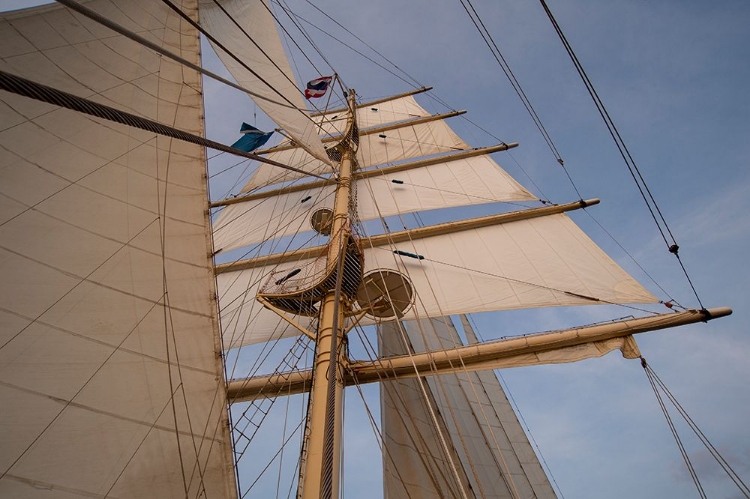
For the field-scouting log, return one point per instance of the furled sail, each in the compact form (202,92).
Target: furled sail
(477,449)
(109,356)
(248,30)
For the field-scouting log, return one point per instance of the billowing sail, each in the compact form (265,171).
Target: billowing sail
(477,449)
(539,262)
(406,141)
(455,182)
(109,355)
(370,115)
(542,262)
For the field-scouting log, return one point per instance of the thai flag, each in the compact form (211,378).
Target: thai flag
(317,87)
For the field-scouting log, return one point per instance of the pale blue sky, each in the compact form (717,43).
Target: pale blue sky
(674,76)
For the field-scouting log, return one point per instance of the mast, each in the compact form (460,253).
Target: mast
(320,478)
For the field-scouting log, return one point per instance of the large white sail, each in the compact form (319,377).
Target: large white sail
(380,113)
(479,444)
(541,262)
(109,356)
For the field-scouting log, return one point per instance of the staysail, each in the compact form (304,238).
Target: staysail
(112,382)
(250,48)
(482,450)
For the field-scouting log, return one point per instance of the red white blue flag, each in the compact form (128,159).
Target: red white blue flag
(317,87)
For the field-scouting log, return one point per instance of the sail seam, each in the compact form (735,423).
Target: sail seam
(160,50)
(128,244)
(39,484)
(169,319)
(70,403)
(91,281)
(103,343)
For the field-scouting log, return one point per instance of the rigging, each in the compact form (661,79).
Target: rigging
(33,90)
(635,172)
(146,43)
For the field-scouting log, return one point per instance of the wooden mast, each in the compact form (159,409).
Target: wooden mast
(322,461)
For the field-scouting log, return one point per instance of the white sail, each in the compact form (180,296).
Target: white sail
(419,455)
(111,379)
(490,454)
(461,182)
(546,261)
(248,31)
(404,142)
(390,111)
(541,262)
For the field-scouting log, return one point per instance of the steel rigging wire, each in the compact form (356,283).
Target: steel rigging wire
(635,172)
(657,384)
(640,182)
(495,50)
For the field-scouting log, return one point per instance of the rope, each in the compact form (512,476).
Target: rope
(247,35)
(640,182)
(672,428)
(395,395)
(413,81)
(656,381)
(291,15)
(505,67)
(278,452)
(302,112)
(376,430)
(160,50)
(197,26)
(27,88)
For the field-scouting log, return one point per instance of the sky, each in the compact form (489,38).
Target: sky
(673,76)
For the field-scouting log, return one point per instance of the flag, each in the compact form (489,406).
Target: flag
(252,138)
(317,87)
